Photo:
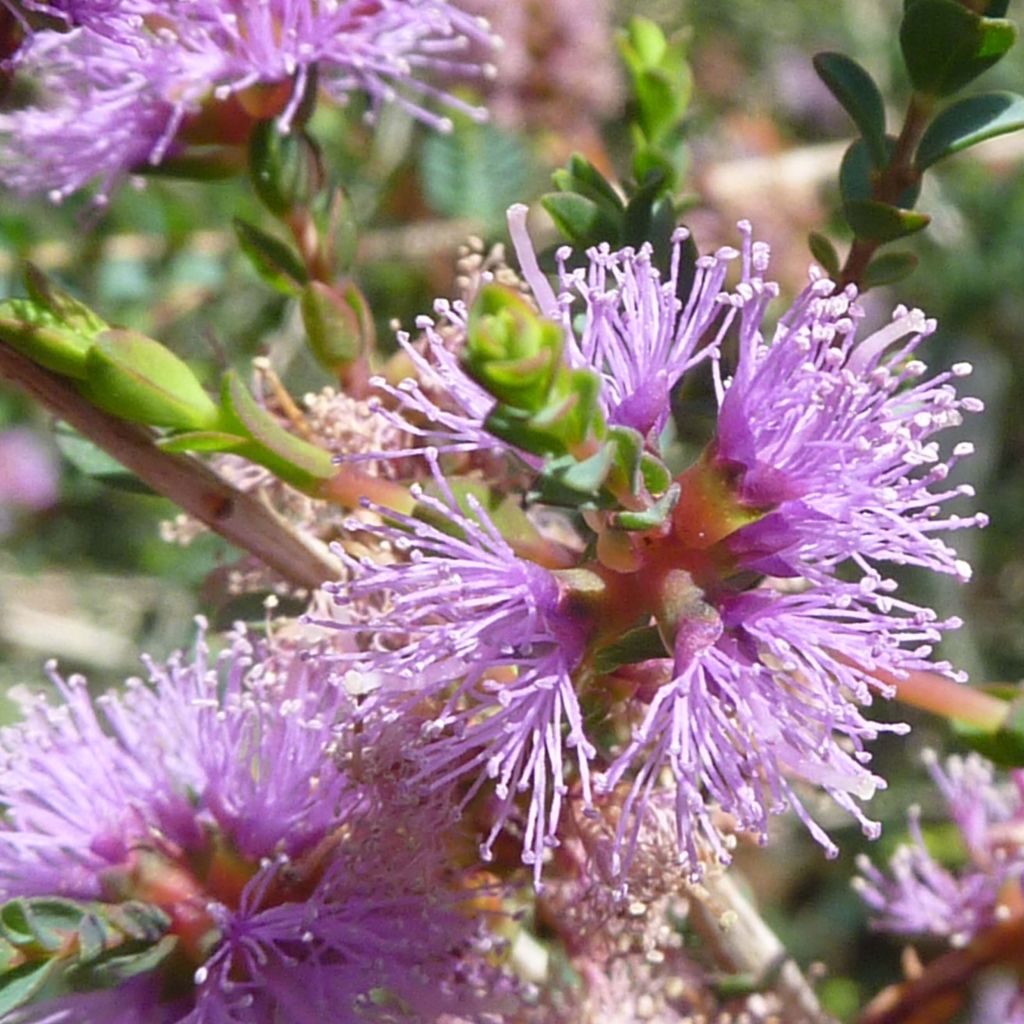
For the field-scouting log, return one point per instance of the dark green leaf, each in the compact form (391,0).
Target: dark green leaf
(824,252)
(16,923)
(197,163)
(857,176)
(968,122)
(880,222)
(945,45)
(857,93)
(1005,747)
(275,262)
(636,645)
(583,177)
(285,167)
(581,220)
(889,268)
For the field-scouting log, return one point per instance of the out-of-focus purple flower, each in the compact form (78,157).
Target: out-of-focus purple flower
(28,472)
(118,87)
(212,792)
(920,896)
(489,640)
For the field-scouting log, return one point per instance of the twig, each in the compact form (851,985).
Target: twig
(743,943)
(935,996)
(236,516)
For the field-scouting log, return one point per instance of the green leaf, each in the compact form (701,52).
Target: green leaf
(1005,746)
(511,351)
(650,517)
(75,315)
(888,268)
(477,171)
(968,122)
(880,222)
(655,474)
(119,965)
(285,167)
(138,379)
(858,95)
(332,326)
(582,221)
(292,459)
(647,41)
(92,938)
(20,986)
(641,644)
(824,252)
(857,175)
(945,45)
(16,924)
(201,441)
(34,331)
(583,177)
(275,261)
(588,476)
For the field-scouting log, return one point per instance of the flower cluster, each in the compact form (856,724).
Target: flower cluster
(920,896)
(292,889)
(760,607)
(130,83)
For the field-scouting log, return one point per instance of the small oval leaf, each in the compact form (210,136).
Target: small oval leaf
(968,122)
(888,268)
(275,262)
(858,95)
(824,252)
(880,222)
(945,45)
(138,379)
(582,221)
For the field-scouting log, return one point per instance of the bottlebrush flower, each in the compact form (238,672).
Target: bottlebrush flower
(489,641)
(211,792)
(920,896)
(822,467)
(124,86)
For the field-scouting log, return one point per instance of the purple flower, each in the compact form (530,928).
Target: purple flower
(922,897)
(488,639)
(212,791)
(834,432)
(120,87)
(822,468)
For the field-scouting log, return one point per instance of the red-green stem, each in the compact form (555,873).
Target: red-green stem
(941,696)
(890,183)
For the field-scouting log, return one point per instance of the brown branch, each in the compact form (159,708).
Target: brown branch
(938,993)
(238,517)
(742,943)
